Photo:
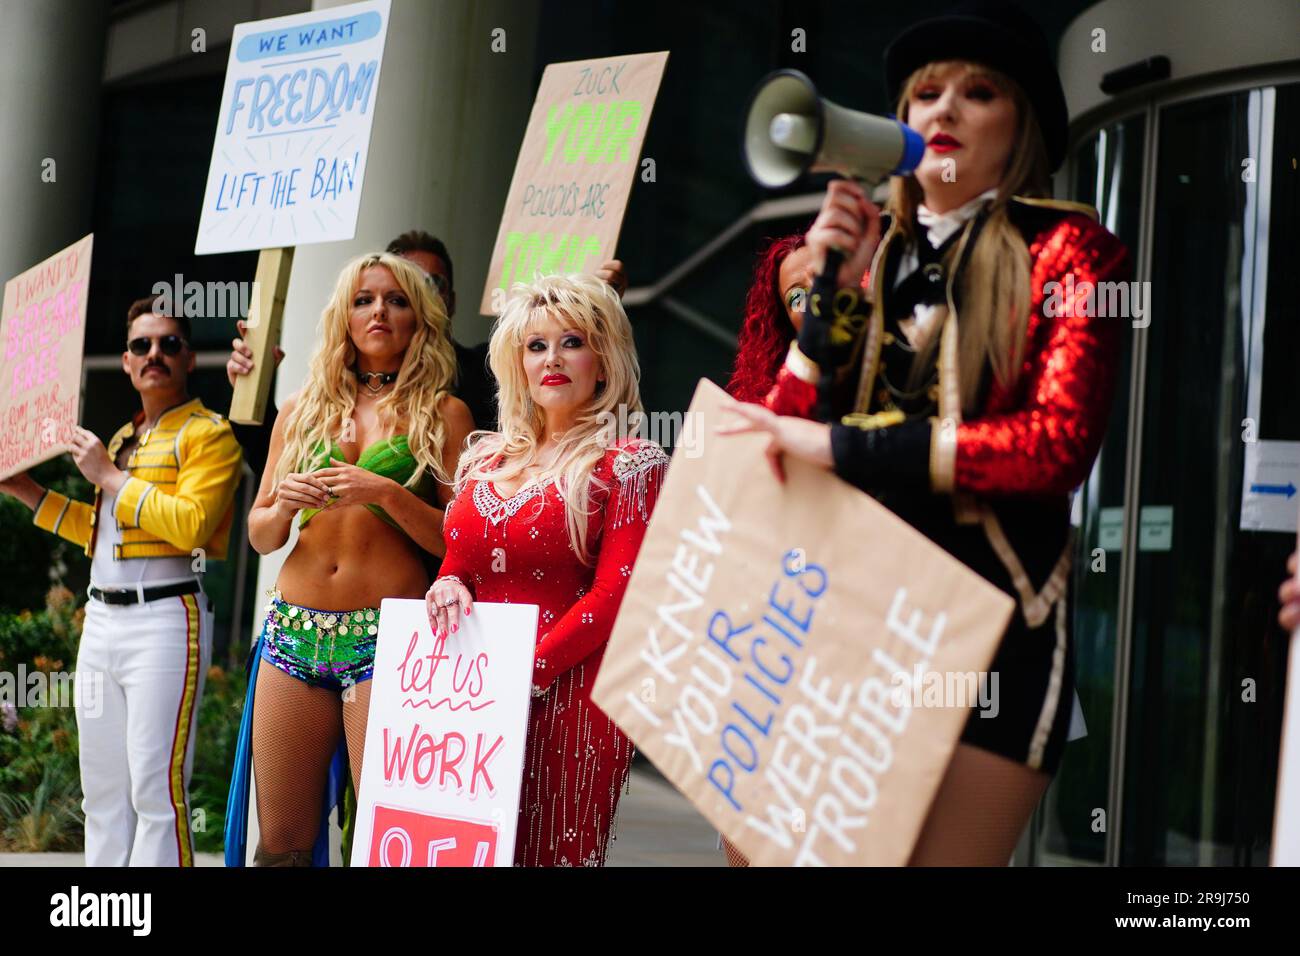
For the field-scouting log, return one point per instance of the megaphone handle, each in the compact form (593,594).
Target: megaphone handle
(831,270)
(826,381)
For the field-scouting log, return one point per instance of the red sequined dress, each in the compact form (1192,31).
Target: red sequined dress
(993,487)
(517,550)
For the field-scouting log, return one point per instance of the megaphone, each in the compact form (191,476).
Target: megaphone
(790,130)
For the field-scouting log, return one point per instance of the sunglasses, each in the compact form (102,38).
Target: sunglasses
(439,282)
(170,345)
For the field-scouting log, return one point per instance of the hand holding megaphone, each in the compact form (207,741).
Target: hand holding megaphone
(848,226)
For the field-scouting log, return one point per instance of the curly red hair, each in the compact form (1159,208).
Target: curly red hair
(766,333)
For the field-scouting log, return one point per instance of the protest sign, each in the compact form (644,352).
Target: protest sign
(1286,825)
(575,170)
(42,326)
(445,742)
(289,158)
(795,658)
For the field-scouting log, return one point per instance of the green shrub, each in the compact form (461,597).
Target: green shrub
(39,776)
(31,559)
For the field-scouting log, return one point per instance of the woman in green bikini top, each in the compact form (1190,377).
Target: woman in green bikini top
(369,511)
(389,458)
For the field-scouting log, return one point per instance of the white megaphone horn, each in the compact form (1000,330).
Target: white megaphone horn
(790,130)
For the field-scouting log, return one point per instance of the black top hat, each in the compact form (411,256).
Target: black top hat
(998,34)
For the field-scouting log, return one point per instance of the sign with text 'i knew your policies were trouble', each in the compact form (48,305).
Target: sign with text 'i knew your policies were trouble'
(796,659)
(294,129)
(575,170)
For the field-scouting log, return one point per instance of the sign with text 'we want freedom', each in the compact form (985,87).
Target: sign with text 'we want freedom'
(777,652)
(294,129)
(446,737)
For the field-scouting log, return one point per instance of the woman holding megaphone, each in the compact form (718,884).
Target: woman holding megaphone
(958,387)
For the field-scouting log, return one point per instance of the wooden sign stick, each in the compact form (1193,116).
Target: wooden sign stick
(265,313)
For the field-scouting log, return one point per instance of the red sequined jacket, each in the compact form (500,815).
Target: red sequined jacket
(1014,463)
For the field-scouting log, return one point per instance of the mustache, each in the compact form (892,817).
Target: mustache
(157,365)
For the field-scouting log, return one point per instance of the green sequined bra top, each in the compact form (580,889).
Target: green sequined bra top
(389,457)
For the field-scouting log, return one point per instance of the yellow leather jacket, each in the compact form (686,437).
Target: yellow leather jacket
(179,496)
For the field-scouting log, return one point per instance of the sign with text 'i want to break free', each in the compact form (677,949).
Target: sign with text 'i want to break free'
(575,170)
(42,328)
(294,129)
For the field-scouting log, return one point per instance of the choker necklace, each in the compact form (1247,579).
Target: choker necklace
(369,378)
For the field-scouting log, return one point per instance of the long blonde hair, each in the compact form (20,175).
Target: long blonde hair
(590,306)
(994,287)
(329,397)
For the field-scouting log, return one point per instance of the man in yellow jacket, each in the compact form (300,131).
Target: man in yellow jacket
(164,494)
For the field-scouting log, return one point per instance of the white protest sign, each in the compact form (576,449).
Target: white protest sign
(294,129)
(1286,823)
(446,737)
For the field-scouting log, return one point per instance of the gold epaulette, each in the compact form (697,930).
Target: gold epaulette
(1064,205)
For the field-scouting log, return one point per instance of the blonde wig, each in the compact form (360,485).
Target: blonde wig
(329,397)
(994,287)
(592,308)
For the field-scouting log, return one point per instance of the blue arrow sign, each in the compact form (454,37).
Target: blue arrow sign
(1288,489)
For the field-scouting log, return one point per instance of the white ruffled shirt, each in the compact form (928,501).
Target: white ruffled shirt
(938,228)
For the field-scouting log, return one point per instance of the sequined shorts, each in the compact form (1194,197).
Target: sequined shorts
(331,649)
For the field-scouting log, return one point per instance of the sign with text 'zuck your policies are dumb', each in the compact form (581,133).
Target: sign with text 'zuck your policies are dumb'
(575,170)
(785,655)
(294,129)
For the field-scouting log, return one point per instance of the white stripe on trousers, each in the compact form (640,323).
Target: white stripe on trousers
(127,722)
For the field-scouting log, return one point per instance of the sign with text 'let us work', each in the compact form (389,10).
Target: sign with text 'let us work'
(575,170)
(785,654)
(294,129)
(446,737)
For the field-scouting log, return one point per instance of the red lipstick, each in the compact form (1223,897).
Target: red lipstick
(556,379)
(944,143)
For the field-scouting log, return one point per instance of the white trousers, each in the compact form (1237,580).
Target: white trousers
(140,672)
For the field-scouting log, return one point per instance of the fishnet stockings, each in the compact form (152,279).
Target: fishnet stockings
(982,807)
(296,730)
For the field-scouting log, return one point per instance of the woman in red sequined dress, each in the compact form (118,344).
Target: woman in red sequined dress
(551,511)
(975,433)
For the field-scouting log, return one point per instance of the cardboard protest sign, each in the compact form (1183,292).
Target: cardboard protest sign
(444,760)
(43,328)
(575,170)
(777,651)
(294,129)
